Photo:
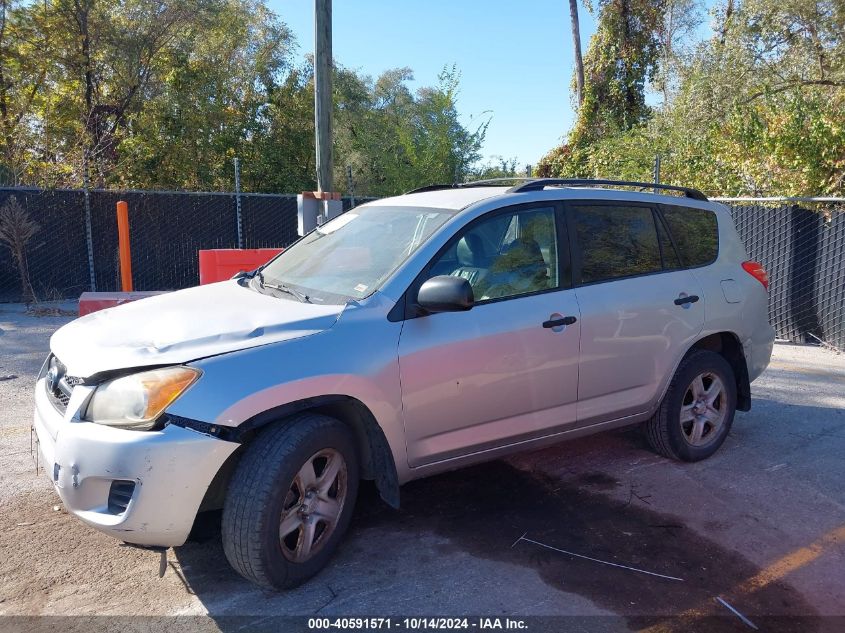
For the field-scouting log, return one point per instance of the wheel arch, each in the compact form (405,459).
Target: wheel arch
(729,347)
(377,463)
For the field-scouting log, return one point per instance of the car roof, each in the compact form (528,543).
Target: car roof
(452,198)
(458,198)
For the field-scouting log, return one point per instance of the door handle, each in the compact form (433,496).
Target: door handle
(684,301)
(569,320)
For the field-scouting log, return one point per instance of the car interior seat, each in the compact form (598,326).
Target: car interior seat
(472,259)
(519,269)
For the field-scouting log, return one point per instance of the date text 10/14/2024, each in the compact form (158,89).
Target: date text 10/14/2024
(416,623)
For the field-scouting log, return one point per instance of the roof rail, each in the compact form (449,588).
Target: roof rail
(472,183)
(494,181)
(538,184)
(428,188)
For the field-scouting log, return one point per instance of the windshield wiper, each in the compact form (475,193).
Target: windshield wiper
(304,298)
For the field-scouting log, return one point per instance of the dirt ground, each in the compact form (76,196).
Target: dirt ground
(761,526)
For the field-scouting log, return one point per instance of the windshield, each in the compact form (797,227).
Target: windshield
(351,256)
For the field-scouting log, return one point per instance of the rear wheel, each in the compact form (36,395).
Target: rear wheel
(290,500)
(697,411)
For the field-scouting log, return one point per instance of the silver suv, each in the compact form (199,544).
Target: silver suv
(408,336)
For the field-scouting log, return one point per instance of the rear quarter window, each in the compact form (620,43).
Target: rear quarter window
(696,234)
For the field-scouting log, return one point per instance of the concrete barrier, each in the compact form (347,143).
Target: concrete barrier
(92,301)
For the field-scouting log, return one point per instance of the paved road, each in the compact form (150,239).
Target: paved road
(761,525)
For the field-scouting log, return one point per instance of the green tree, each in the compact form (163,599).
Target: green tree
(283,157)
(396,140)
(23,37)
(758,109)
(225,79)
(165,93)
(621,60)
(497,167)
(109,63)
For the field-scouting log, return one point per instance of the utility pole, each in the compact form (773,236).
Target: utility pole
(316,207)
(323,92)
(576,42)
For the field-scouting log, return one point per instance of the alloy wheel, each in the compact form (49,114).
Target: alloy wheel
(704,409)
(313,505)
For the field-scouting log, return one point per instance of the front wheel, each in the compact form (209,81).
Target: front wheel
(697,411)
(290,500)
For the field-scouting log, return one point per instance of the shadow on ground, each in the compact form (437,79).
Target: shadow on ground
(483,510)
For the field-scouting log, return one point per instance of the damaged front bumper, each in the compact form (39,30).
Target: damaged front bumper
(142,487)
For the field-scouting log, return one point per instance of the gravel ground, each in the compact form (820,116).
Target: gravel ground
(761,524)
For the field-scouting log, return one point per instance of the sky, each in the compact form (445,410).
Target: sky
(515,58)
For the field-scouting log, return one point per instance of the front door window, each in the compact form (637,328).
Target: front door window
(507,255)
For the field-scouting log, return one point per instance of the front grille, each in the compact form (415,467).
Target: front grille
(120,494)
(72,381)
(59,385)
(61,398)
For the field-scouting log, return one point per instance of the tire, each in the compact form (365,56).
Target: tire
(704,426)
(273,481)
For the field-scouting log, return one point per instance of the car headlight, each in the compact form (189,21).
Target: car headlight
(137,400)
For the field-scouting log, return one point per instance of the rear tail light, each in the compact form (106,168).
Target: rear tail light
(756,270)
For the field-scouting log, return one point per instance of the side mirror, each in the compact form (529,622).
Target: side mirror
(445,294)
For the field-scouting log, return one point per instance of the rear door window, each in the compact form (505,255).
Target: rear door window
(695,232)
(670,255)
(615,240)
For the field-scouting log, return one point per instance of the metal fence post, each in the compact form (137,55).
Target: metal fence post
(350,186)
(89,233)
(238,203)
(656,172)
(124,250)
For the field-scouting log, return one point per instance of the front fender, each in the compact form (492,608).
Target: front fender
(355,359)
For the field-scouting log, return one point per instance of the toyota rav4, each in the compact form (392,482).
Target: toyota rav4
(406,337)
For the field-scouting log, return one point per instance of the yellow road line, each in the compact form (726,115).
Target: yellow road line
(771,573)
(791,562)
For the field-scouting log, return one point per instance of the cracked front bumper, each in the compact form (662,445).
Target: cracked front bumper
(171,470)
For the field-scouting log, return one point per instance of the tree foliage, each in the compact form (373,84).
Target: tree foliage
(621,58)
(165,93)
(499,167)
(396,140)
(758,108)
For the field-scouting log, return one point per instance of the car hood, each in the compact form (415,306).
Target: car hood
(182,326)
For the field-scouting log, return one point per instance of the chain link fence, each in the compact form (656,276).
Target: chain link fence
(166,228)
(802,246)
